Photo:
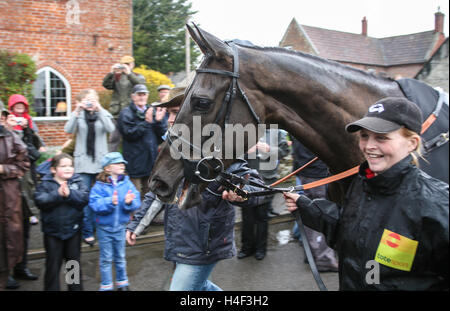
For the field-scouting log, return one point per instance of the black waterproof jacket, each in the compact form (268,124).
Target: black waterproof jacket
(381,221)
(61,217)
(140,140)
(204,233)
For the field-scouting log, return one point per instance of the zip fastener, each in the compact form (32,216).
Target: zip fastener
(116,211)
(59,213)
(209,240)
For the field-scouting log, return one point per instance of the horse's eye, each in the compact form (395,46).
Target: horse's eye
(202,105)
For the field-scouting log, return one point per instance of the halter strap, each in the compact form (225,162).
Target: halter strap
(233,88)
(219,72)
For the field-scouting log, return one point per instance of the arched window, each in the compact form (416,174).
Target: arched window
(51,92)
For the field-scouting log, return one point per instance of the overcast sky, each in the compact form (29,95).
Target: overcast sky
(264,22)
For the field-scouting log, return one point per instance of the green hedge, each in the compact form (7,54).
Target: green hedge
(17,73)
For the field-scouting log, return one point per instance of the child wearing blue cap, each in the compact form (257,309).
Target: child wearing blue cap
(113,198)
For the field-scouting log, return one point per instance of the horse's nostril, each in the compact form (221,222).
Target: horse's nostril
(159,187)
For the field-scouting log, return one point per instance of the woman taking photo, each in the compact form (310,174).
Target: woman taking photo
(394,216)
(91,123)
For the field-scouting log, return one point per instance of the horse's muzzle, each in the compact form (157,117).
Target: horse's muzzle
(164,192)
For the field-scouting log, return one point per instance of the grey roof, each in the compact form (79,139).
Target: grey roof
(357,48)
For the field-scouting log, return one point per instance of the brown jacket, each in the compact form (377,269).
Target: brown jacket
(14,159)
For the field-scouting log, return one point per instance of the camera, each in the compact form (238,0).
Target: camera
(88,105)
(19,120)
(120,66)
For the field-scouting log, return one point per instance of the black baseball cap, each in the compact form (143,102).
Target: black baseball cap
(388,115)
(140,88)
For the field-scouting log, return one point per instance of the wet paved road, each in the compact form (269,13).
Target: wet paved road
(283,268)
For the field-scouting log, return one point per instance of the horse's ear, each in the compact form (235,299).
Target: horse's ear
(209,44)
(196,36)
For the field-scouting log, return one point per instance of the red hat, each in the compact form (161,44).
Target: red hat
(15,99)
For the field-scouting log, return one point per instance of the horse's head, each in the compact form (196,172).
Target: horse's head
(210,129)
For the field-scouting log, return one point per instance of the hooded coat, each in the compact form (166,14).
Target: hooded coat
(15,99)
(108,216)
(61,217)
(14,159)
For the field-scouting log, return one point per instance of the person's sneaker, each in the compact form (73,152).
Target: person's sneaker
(260,255)
(25,274)
(123,289)
(12,283)
(34,220)
(243,254)
(90,241)
(272,214)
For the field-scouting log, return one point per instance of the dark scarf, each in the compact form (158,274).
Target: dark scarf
(141,114)
(90,143)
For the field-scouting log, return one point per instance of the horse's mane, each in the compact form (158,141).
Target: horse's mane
(314,58)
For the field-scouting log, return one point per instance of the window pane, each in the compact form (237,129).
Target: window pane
(57,92)
(39,95)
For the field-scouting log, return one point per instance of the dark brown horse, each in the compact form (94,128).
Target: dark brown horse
(310,97)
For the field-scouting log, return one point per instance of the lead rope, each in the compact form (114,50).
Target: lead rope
(309,255)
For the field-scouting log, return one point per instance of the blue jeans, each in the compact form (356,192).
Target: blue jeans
(112,248)
(88,226)
(193,278)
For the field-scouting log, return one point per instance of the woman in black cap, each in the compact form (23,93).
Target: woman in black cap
(391,233)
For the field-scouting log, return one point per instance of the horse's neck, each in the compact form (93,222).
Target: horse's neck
(314,99)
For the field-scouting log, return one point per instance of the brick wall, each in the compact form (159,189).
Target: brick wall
(52,132)
(435,72)
(81,39)
(295,39)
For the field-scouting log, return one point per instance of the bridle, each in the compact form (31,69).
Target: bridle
(209,168)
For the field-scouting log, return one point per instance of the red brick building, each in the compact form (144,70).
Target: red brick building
(394,56)
(73,42)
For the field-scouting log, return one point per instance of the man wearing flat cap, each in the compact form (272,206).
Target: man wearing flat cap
(142,127)
(163,93)
(121,80)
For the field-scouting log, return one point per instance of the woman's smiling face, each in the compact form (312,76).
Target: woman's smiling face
(382,151)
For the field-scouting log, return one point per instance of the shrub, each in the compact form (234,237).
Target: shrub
(105,98)
(17,73)
(154,79)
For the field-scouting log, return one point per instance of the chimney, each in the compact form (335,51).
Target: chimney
(439,21)
(364,26)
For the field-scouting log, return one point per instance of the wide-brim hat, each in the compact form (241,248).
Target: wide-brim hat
(388,115)
(174,99)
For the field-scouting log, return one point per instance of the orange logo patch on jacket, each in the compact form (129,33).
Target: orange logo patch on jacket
(396,251)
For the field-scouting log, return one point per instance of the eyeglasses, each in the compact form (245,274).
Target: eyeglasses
(142,94)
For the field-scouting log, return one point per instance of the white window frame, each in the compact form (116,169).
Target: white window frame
(47,70)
